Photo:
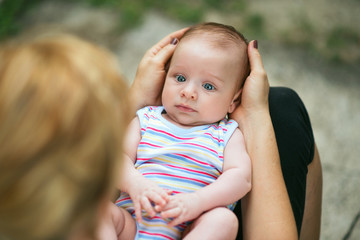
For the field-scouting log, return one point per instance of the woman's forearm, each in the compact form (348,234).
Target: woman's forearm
(267,213)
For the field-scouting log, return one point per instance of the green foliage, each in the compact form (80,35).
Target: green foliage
(214,3)
(130,11)
(340,44)
(256,22)
(254,26)
(238,6)
(342,37)
(302,33)
(185,11)
(10,11)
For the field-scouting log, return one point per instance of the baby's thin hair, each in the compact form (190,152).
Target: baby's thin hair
(224,32)
(222,36)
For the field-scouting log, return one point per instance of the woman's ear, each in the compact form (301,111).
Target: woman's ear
(235,101)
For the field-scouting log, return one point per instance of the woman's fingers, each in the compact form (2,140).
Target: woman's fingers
(163,50)
(254,96)
(255,57)
(166,40)
(257,82)
(154,50)
(164,54)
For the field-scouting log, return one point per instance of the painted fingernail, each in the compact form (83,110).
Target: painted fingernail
(174,41)
(255,44)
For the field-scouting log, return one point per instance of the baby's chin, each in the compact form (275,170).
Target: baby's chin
(188,121)
(191,124)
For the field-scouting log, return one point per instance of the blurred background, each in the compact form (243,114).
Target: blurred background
(310,46)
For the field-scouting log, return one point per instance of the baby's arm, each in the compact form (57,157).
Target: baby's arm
(143,192)
(233,184)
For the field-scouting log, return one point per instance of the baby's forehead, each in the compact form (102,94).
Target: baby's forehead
(235,47)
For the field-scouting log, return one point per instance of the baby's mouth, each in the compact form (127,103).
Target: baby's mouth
(185,108)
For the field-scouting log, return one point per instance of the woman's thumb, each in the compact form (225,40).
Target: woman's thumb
(254,56)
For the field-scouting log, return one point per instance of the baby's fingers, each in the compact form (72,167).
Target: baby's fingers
(138,214)
(159,198)
(175,214)
(146,205)
(171,213)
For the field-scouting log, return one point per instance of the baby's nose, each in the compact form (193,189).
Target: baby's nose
(189,92)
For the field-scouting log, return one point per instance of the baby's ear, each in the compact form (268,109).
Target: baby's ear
(235,101)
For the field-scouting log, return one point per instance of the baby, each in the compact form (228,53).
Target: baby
(186,162)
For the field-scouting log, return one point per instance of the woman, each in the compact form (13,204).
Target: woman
(59,187)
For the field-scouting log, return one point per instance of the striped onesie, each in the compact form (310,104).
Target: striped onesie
(178,159)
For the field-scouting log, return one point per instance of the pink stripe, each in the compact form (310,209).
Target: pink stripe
(219,140)
(201,146)
(123,199)
(171,135)
(142,159)
(191,170)
(195,160)
(218,127)
(183,168)
(150,116)
(149,144)
(176,176)
(156,234)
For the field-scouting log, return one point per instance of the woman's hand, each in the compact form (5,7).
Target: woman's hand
(149,80)
(266,209)
(255,93)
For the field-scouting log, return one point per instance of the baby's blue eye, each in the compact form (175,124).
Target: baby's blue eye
(208,86)
(180,78)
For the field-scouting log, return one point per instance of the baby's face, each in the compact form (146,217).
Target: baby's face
(200,86)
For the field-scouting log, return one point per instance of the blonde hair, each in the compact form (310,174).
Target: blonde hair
(63,110)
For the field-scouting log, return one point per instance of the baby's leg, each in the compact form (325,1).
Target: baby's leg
(117,224)
(218,223)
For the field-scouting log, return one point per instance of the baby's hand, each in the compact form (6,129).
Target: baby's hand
(144,194)
(182,207)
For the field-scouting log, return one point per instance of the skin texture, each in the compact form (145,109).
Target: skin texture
(202,90)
